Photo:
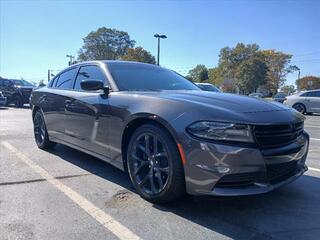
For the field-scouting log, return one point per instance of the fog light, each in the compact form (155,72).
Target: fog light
(223,169)
(218,169)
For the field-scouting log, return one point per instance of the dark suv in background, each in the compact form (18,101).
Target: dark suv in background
(16,91)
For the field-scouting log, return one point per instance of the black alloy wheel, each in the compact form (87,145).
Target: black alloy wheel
(154,165)
(40,131)
(300,108)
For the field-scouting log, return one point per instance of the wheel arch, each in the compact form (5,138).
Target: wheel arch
(137,121)
(34,110)
(301,103)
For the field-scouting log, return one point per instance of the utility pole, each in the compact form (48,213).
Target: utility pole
(49,75)
(163,37)
(71,58)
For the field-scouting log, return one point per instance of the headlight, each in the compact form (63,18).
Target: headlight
(221,131)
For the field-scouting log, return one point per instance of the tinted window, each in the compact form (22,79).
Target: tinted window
(65,79)
(88,72)
(280,95)
(54,81)
(6,83)
(22,83)
(147,77)
(208,87)
(311,94)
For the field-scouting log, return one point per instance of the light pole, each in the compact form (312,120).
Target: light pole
(71,59)
(163,37)
(50,74)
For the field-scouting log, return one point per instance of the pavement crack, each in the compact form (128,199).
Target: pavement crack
(43,179)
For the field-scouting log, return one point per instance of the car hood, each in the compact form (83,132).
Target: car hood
(231,102)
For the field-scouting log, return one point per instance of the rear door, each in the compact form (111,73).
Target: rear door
(314,101)
(53,103)
(84,110)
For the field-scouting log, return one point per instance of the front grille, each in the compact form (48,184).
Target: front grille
(281,171)
(268,136)
(275,173)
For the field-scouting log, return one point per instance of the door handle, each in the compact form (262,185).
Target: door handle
(67,102)
(44,99)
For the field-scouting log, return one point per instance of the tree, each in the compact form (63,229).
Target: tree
(288,89)
(278,64)
(215,76)
(244,66)
(139,54)
(199,73)
(105,43)
(308,83)
(41,83)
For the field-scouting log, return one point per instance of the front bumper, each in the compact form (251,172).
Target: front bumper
(3,101)
(225,170)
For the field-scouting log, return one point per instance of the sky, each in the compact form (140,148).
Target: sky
(36,35)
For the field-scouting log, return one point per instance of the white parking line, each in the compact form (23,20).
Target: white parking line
(103,218)
(315,139)
(314,169)
(311,126)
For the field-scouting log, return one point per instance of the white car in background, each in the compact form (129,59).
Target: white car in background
(208,87)
(305,102)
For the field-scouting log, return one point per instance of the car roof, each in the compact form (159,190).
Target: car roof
(113,62)
(313,90)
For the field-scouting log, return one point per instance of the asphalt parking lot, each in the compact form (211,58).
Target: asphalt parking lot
(66,194)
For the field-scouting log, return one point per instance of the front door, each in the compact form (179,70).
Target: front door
(84,110)
(314,101)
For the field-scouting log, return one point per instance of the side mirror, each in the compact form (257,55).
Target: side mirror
(94,85)
(91,85)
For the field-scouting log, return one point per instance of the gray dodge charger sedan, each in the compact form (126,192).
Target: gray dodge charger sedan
(169,135)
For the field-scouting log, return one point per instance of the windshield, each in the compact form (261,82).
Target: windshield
(280,95)
(208,87)
(22,83)
(143,77)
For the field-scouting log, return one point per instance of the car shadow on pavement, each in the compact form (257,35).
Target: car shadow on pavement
(93,165)
(292,211)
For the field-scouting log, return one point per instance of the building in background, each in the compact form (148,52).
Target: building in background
(308,83)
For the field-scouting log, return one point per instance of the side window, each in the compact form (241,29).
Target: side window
(54,82)
(7,83)
(65,79)
(316,94)
(307,94)
(89,72)
(1,83)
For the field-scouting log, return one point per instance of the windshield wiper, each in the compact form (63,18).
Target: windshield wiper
(143,90)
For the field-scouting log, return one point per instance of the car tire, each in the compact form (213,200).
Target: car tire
(154,164)
(300,108)
(18,103)
(40,132)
